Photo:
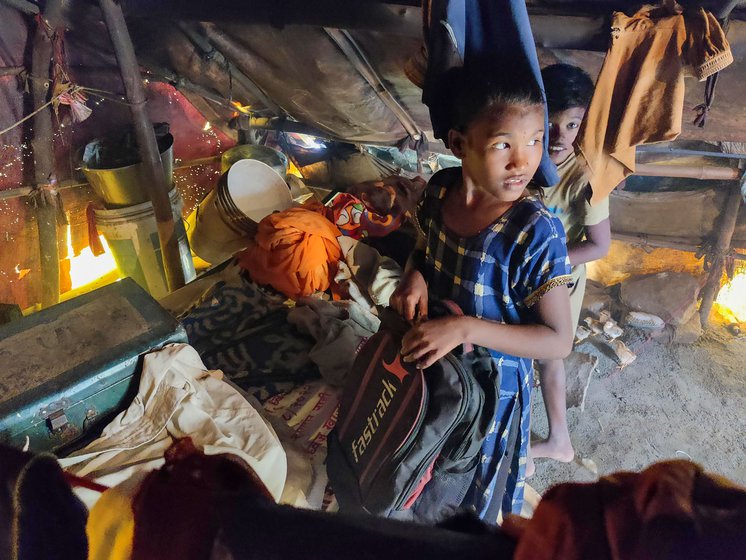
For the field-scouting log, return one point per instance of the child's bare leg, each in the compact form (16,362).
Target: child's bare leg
(558,445)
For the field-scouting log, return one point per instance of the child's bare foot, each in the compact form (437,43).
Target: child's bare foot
(553,449)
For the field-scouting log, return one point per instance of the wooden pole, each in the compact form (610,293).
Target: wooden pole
(702,172)
(43,196)
(720,250)
(156,185)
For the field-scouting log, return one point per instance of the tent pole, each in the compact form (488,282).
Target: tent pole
(157,187)
(720,250)
(44,195)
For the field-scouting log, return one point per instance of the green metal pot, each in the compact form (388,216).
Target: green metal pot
(275,159)
(126,186)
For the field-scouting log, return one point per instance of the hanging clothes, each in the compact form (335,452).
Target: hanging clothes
(639,95)
(466,32)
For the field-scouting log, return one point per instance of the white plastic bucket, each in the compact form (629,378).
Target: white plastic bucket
(132,236)
(256,189)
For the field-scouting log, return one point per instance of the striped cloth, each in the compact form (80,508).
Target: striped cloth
(498,274)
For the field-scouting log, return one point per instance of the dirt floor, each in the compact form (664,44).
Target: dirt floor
(674,401)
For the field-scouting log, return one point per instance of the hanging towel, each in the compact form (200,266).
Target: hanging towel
(466,32)
(639,95)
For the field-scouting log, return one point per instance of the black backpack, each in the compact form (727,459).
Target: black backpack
(407,442)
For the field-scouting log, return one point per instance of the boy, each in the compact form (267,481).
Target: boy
(568,91)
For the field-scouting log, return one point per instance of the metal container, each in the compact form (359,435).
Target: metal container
(274,158)
(126,186)
(67,370)
(132,235)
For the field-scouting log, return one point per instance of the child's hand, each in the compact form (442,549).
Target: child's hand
(410,297)
(427,342)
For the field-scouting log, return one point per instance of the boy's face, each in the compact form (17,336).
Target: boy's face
(501,150)
(563,129)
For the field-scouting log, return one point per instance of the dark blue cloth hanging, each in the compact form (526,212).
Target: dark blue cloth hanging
(461,31)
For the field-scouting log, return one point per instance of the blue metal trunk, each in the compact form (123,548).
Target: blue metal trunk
(67,370)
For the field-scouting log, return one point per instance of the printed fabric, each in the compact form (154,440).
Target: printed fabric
(499,275)
(639,95)
(354,219)
(243,330)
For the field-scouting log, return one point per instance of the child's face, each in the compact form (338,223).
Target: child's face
(502,149)
(563,129)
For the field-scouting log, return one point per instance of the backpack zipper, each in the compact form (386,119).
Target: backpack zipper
(458,453)
(430,457)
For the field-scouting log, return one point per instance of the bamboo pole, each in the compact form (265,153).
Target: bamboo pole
(43,195)
(156,185)
(722,246)
(688,171)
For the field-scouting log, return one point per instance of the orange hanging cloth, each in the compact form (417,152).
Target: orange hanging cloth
(295,251)
(639,95)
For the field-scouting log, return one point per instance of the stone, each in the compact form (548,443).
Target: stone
(689,332)
(672,296)
(579,368)
(645,321)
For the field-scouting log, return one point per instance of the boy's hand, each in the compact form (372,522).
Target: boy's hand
(410,297)
(427,342)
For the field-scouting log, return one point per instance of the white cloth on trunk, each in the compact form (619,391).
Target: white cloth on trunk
(179,397)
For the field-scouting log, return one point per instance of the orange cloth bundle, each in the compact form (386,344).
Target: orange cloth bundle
(295,251)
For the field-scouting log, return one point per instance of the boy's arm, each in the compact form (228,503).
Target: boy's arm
(549,338)
(597,234)
(595,245)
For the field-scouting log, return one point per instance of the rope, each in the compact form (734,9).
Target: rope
(703,109)
(27,117)
(107,95)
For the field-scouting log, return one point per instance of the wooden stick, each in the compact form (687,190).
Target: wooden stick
(43,151)
(711,172)
(722,245)
(658,241)
(156,185)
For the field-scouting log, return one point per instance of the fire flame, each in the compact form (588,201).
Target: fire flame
(732,296)
(86,268)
